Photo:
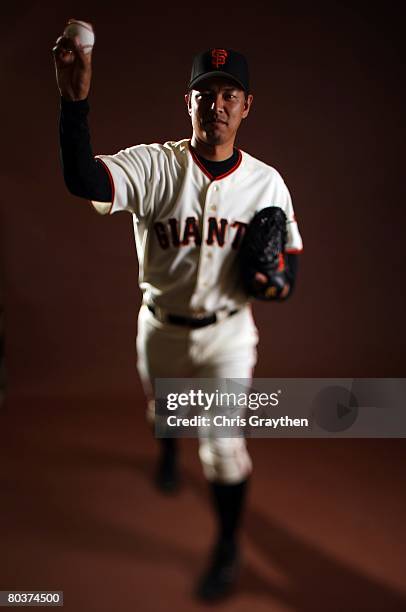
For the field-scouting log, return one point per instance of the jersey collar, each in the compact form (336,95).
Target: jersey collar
(206,172)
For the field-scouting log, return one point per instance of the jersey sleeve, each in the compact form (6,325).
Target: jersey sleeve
(282,198)
(135,179)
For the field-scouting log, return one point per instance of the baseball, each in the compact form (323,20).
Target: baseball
(83,32)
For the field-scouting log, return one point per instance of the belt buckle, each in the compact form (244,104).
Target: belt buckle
(200,316)
(222,314)
(160,314)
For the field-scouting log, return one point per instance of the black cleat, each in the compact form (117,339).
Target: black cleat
(167,475)
(220,578)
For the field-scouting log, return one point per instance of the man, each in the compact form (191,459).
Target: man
(190,202)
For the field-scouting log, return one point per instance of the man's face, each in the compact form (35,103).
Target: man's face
(217,106)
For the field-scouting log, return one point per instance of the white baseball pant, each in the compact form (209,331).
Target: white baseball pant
(226,349)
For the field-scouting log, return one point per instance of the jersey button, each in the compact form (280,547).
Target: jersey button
(213,207)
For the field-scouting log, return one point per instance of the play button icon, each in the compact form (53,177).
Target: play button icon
(335,409)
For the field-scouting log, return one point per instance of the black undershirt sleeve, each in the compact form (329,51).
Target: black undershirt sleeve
(85,176)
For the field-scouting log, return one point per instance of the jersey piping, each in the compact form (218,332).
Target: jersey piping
(206,172)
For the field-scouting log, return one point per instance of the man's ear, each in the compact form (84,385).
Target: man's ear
(247,105)
(188,100)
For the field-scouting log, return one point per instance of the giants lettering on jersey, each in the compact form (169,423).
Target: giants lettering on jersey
(219,231)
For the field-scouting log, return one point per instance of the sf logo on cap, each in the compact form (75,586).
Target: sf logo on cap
(218,57)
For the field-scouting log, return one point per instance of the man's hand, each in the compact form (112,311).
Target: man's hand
(73,69)
(260,280)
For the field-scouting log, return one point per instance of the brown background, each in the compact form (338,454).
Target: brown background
(329,96)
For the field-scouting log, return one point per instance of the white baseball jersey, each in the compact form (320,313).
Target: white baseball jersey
(188,225)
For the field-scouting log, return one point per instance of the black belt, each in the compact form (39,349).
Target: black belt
(190,321)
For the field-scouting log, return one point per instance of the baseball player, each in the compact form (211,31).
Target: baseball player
(190,201)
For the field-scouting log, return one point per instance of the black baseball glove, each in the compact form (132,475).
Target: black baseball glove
(262,251)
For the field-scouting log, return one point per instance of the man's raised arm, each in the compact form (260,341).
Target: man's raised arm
(84,175)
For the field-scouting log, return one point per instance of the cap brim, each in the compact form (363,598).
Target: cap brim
(215,73)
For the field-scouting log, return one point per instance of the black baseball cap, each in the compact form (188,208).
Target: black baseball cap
(220,62)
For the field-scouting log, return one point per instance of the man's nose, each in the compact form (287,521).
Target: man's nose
(218,103)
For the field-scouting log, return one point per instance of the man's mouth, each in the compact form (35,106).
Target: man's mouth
(215,122)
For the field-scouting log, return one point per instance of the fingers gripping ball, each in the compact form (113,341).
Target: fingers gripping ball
(262,251)
(82,32)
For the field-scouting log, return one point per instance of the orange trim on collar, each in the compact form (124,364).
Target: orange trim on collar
(206,172)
